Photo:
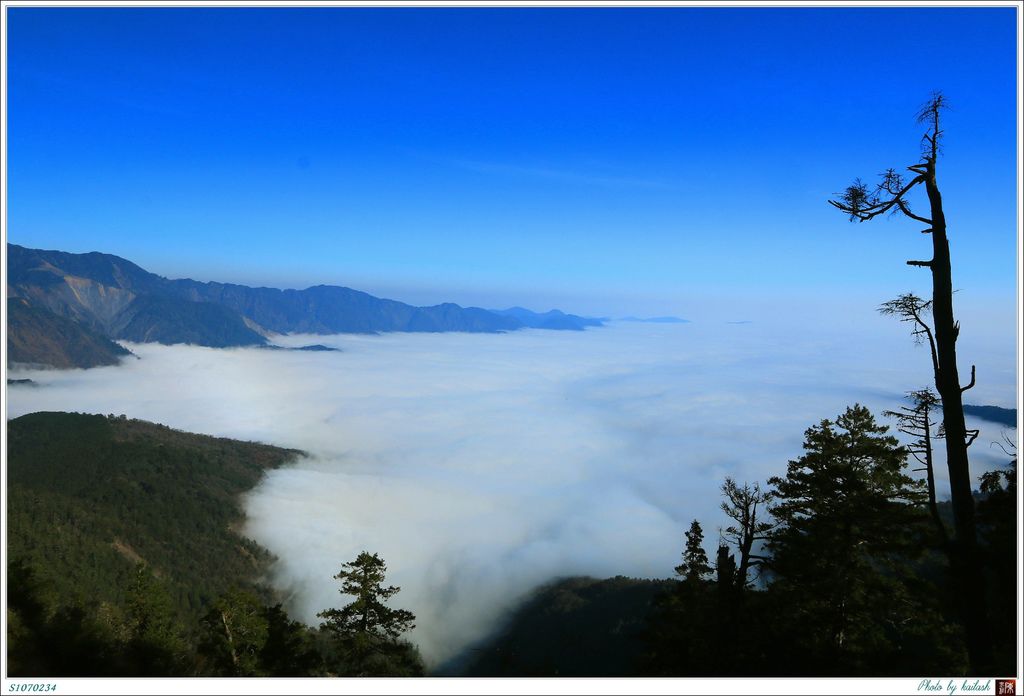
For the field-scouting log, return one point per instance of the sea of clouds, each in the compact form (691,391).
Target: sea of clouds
(480,466)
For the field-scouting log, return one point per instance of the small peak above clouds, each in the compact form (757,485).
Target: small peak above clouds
(554,319)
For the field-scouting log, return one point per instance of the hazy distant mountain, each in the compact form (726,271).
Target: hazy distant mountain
(316,348)
(325,309)
(553,319)
(118,299)
(657,320)
(993,414)
(36,336)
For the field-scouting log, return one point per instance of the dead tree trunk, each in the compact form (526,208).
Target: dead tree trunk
(861,204)
(969,584)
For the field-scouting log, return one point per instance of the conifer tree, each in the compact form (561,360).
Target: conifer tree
(695,566)
(849,520)
(366,631)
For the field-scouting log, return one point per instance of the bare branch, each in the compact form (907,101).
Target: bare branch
(741,505)
(1009,449)
(906,211)
(920,263)
(972,436)
(971,383)
(910,307)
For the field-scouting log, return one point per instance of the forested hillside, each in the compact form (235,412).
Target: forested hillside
(91,496)
(124,559)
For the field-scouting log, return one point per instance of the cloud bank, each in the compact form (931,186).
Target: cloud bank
(479,466)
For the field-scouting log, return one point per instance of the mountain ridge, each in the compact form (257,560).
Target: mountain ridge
(553,319)
(117,299)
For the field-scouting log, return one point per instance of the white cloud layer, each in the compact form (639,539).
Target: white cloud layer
(479,466)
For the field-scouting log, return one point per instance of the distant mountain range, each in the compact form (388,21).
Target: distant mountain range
(554,319)
(993,414)
(111,298)
(657,320)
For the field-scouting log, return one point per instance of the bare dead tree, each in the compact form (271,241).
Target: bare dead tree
(916,421)
(1008,446)
(911,308)
(741,505)
(890,195)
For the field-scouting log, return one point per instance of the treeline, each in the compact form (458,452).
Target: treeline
(237,635)
(835,569)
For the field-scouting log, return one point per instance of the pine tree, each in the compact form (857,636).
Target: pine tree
(849,519)
(695,566)
(366,632)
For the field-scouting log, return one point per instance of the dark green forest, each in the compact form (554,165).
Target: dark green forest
(91,496)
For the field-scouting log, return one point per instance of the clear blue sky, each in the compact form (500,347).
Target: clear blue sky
(602,160)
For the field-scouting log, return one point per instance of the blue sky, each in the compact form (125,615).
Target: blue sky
(629,160)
